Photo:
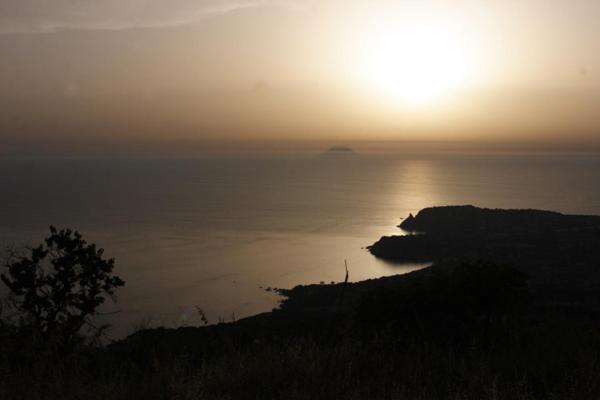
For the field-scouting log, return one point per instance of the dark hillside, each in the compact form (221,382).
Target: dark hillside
(501,314)
(560,253)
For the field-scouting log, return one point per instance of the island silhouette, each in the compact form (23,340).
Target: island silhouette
(339,151)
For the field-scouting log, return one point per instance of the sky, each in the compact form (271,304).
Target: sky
(86,74)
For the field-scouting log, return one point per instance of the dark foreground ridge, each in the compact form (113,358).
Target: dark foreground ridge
(509,309)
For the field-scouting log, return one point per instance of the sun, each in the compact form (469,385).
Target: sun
(416,64)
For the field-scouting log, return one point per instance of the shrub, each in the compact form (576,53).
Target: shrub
(58,286)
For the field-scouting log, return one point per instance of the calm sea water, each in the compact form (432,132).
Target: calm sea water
(211,232)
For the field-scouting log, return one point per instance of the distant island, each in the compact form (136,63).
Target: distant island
(339,151)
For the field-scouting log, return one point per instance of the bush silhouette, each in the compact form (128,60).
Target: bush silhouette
(59,285)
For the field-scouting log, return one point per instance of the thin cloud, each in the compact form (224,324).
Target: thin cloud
(45,16)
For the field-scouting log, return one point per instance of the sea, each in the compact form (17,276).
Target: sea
(220,233)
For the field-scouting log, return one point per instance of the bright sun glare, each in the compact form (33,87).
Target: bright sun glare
(417,64)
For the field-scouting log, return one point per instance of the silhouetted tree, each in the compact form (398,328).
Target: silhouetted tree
(59,285)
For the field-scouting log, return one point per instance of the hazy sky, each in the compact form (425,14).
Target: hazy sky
(91,71)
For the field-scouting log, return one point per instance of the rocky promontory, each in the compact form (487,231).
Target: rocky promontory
(556,250)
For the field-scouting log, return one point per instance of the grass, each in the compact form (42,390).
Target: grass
(532,363)
(537,351)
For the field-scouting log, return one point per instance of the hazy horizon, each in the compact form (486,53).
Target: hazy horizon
(163,148)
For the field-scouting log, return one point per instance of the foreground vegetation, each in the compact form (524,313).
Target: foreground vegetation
(381,366)
(461,329)
(454,346)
